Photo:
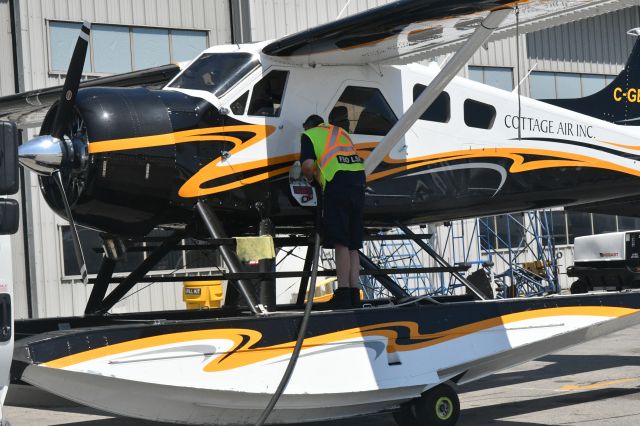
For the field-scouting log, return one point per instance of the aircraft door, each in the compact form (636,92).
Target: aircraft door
(262,104)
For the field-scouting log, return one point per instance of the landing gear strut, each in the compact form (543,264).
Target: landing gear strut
(439,406)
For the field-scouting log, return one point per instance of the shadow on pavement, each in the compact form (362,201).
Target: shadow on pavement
(491,413)
(560,365)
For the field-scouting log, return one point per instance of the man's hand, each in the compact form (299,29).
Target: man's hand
(309,170)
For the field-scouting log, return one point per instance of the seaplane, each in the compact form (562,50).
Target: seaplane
(208,150)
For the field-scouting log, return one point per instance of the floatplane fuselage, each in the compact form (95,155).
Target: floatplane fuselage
(232,143)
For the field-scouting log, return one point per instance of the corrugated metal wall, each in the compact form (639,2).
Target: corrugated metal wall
(596,45)
(6,64)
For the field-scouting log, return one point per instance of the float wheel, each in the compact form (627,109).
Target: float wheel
(438,406)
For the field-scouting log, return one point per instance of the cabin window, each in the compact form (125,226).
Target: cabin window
(440,109)
(237,106)
(266,99)
(216,72)
(363,110)
(478,114)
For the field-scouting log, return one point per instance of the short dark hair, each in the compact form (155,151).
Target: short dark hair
(312,121)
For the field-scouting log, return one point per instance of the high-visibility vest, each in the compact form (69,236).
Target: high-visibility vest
(334,151)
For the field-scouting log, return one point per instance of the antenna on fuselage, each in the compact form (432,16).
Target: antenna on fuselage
(517,11)
(343,9)
(525,77)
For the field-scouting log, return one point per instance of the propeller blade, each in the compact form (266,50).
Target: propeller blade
(71,83)
(82,265)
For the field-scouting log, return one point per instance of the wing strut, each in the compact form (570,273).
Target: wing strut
(424,101)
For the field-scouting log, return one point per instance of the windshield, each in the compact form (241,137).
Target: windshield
(216,72)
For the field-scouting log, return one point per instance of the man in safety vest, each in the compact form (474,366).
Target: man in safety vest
(328,156)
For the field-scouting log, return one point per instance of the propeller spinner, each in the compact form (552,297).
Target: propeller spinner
(50,154)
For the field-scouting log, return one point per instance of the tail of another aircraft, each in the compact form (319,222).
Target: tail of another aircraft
(619,102)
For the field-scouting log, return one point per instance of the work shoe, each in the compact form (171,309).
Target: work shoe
(355,298)
(342,299)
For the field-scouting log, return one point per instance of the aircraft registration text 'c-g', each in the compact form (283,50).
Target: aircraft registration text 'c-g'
(631,95)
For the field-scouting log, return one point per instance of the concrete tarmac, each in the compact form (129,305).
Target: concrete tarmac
(596,383)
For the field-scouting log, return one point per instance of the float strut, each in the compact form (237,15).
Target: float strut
(267,285)
(216,230)
(101,285)
(304,281)
(134,277)
(441,260)
(386,281)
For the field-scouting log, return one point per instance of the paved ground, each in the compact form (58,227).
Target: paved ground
(597,383)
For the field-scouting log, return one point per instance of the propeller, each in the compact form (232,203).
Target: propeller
(49,154)
(71,83)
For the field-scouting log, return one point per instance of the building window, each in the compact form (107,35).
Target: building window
(478,114)
(578,225)
(557,85)
(499,77)
(603,223)
(510,231)
(118,49)
(92,249)
(440,109)
(366,109)
(558,227)
(487,233)
(266,99)
(626,223)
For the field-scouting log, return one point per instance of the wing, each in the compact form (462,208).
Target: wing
(28,109)
(411,30)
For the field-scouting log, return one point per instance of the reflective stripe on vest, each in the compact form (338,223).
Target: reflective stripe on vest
(332,148)
(328,144)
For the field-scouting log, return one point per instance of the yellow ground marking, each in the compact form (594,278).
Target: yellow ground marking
(598,385)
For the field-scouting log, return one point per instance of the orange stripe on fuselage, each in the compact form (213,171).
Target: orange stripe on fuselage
(515,154)
(184,136)
(220,168)
(247,356)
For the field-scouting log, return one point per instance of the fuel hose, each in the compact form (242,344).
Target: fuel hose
(302,331)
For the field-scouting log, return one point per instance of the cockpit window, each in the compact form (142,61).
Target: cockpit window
(216,72)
